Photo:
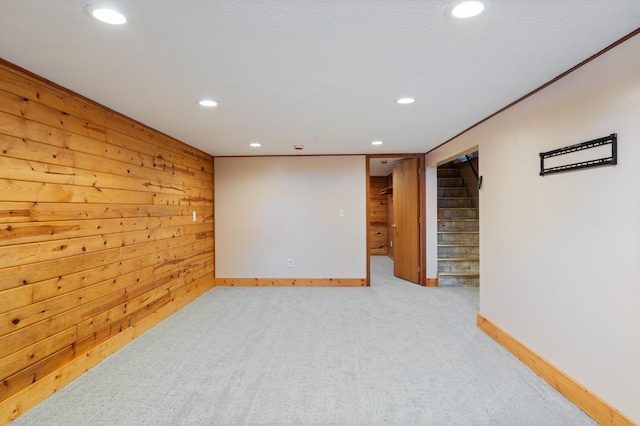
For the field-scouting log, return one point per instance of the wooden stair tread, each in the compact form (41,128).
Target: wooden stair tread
(458,208)
(459,274)
(458,232)
(459,259)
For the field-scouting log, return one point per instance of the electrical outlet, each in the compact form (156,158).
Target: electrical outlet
(290,263)
(193,216)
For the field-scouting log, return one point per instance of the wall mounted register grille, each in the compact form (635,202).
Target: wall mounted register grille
(611,140)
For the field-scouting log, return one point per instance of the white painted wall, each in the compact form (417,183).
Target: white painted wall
(271,209)
(560,254)
(431,215)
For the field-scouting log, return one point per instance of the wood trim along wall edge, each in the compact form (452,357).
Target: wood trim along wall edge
(422,187)
(432,282)
(27,398)
(584,399)
(291,282)
(368,218)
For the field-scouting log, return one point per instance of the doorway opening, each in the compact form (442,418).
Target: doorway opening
(458,222)
(396,213)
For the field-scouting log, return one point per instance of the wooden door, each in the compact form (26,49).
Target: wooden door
(406,220)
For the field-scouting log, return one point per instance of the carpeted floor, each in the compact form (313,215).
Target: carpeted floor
(395,353)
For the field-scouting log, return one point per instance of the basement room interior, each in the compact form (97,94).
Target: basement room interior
(311,213)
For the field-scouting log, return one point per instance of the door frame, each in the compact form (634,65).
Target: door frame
(421,201)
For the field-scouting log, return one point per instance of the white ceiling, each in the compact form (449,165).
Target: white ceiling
(325,74)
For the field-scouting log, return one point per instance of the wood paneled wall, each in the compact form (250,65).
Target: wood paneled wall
(377,215)
(97,242)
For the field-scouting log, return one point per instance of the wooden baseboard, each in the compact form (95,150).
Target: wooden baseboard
(432,282)
(584,399)
(27,398)
(291,282)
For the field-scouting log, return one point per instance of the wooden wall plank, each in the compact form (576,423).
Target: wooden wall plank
(44,309)
(164,159)
(31,232)
(14,212)
(26,376)
(121,168)
(17,276)
(83,146)
(21,191)
(34,151)
(97,243)
(58,249)
(32,171)
(38,351)
(24,337)
(40,113)
(15,298)
(46,212)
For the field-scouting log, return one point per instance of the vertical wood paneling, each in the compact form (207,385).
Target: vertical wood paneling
(377,215)
(96,234)
(390,218)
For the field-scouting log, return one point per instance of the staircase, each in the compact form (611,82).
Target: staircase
(458,239)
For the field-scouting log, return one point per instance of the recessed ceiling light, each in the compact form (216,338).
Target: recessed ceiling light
(106,14)
(467,9)
(255,144)
(376,143)
(405,101)
(207,103)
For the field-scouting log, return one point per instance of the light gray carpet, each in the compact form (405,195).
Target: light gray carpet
(394,353)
